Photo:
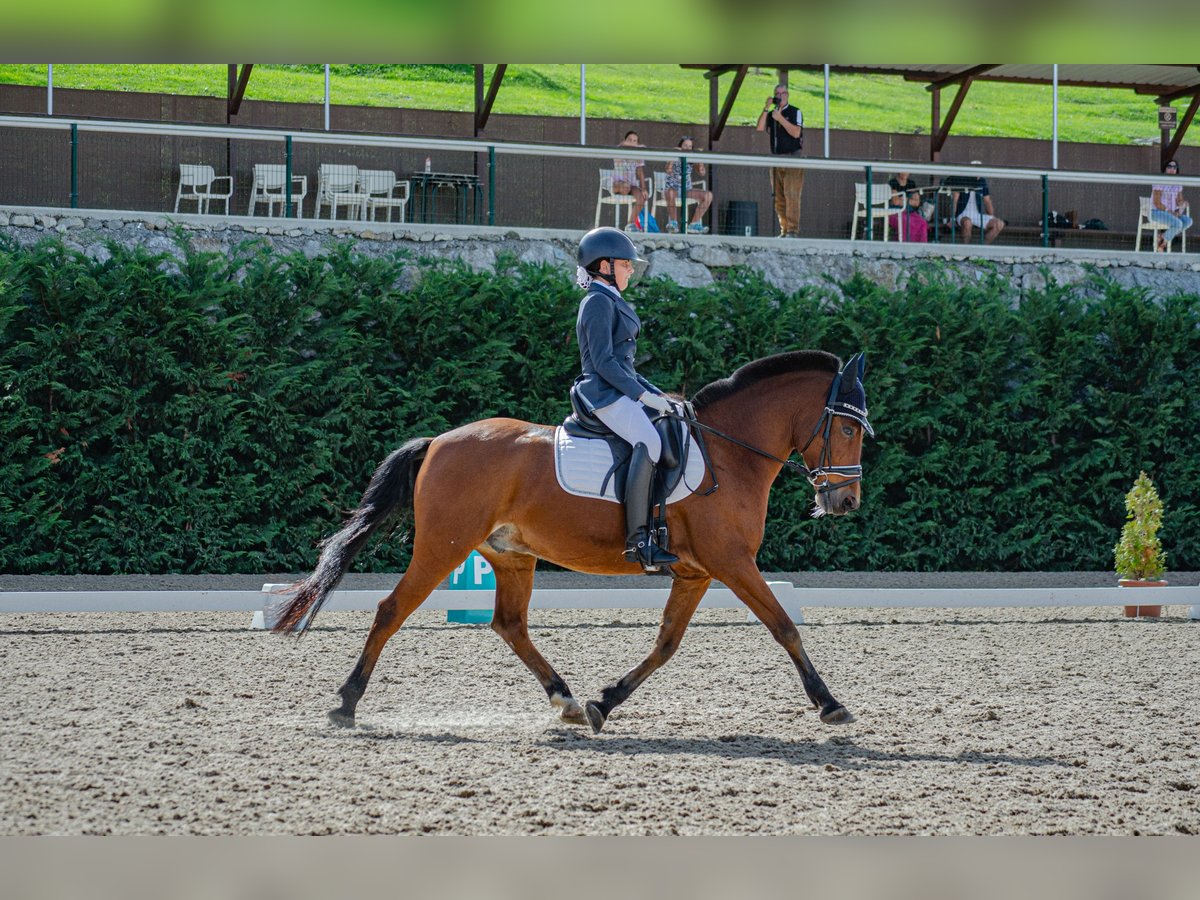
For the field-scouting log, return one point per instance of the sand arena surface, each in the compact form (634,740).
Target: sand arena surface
(991,721)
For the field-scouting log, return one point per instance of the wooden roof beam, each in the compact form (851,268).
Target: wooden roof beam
(483,105)
(714,72)
(1164,99)
(959,78)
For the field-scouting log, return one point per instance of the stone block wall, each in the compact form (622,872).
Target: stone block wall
(691,261)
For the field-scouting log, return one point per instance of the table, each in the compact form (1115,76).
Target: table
(463,186)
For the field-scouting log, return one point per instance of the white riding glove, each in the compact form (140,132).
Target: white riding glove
(655,401)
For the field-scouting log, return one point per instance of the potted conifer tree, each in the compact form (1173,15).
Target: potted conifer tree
(1140,559)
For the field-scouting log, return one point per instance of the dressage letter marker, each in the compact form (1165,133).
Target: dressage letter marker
(473,574)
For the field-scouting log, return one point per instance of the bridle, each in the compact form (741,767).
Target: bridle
(818,476)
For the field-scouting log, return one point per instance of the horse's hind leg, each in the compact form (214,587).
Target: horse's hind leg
(749,586)
(681,606)
(514,585)
(420,579)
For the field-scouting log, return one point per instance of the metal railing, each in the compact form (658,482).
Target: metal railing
(524,186)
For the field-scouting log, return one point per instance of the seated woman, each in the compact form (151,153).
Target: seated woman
(910,225)
(1170,208)
(703,198)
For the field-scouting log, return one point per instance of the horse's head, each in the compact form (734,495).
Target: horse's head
(833,452)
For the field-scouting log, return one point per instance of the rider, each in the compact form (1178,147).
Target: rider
(607,328)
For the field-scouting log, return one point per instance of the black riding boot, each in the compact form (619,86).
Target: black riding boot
(640,543)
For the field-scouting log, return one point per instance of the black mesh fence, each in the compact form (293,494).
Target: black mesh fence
(406,181)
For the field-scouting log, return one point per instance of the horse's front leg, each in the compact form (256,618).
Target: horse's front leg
(514,585)
(681,605)
(751,589)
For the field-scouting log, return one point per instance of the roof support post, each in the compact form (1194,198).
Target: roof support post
(942,131)
(483,105)
(1171,147)
(935,114)
(827,110)
(716,119)
(938,130)
(237,89)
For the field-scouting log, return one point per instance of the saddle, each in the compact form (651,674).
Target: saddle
(673,463)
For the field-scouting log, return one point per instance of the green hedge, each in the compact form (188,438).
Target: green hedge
(219,415)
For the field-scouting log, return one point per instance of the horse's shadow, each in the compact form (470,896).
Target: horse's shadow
(841,752)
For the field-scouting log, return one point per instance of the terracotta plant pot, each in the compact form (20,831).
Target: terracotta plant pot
(1132,612)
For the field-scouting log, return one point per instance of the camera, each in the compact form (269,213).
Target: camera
(773,100)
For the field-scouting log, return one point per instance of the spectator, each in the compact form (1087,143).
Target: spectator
(973,208)
(703,198)
(628,178)
(910,225)
(785,126)
(1170,208)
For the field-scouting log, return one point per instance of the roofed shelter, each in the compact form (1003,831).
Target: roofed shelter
(1162,84)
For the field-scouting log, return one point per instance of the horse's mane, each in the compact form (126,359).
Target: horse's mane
(767,367)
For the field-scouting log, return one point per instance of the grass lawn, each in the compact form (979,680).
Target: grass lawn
(637,93)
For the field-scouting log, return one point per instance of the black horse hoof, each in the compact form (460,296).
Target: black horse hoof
(837,715)
(341,718)
(595,716)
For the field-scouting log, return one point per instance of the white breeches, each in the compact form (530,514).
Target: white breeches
(629,420)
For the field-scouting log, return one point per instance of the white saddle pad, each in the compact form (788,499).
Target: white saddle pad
(582,463)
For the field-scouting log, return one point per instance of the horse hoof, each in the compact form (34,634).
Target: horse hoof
(837,715)
(574,715)
(595,716)
(341,718)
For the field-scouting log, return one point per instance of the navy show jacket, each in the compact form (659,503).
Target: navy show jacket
(607,328)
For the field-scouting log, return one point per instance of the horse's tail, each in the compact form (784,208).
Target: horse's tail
(391,488)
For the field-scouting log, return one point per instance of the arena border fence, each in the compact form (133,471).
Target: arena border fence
(793,599)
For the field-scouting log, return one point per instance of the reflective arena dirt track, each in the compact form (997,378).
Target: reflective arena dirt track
(997,721)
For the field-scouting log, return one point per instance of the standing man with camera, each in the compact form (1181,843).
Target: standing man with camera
(785,126)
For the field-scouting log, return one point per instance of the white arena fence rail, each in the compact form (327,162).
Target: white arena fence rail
(121,165)
(793,599)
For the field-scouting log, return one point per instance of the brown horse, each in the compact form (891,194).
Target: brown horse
(491,486)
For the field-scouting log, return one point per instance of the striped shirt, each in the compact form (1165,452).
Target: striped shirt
(1169,195)
(626,170)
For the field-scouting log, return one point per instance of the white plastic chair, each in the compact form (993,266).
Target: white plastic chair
(196,183)
(268,188)
(380,186)
(337,185)
(605,196)
(660,199)
(1145,223)
(880,195)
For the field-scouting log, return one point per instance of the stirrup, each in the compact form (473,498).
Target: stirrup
(642,549)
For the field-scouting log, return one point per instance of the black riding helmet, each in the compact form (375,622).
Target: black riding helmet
(608,243)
